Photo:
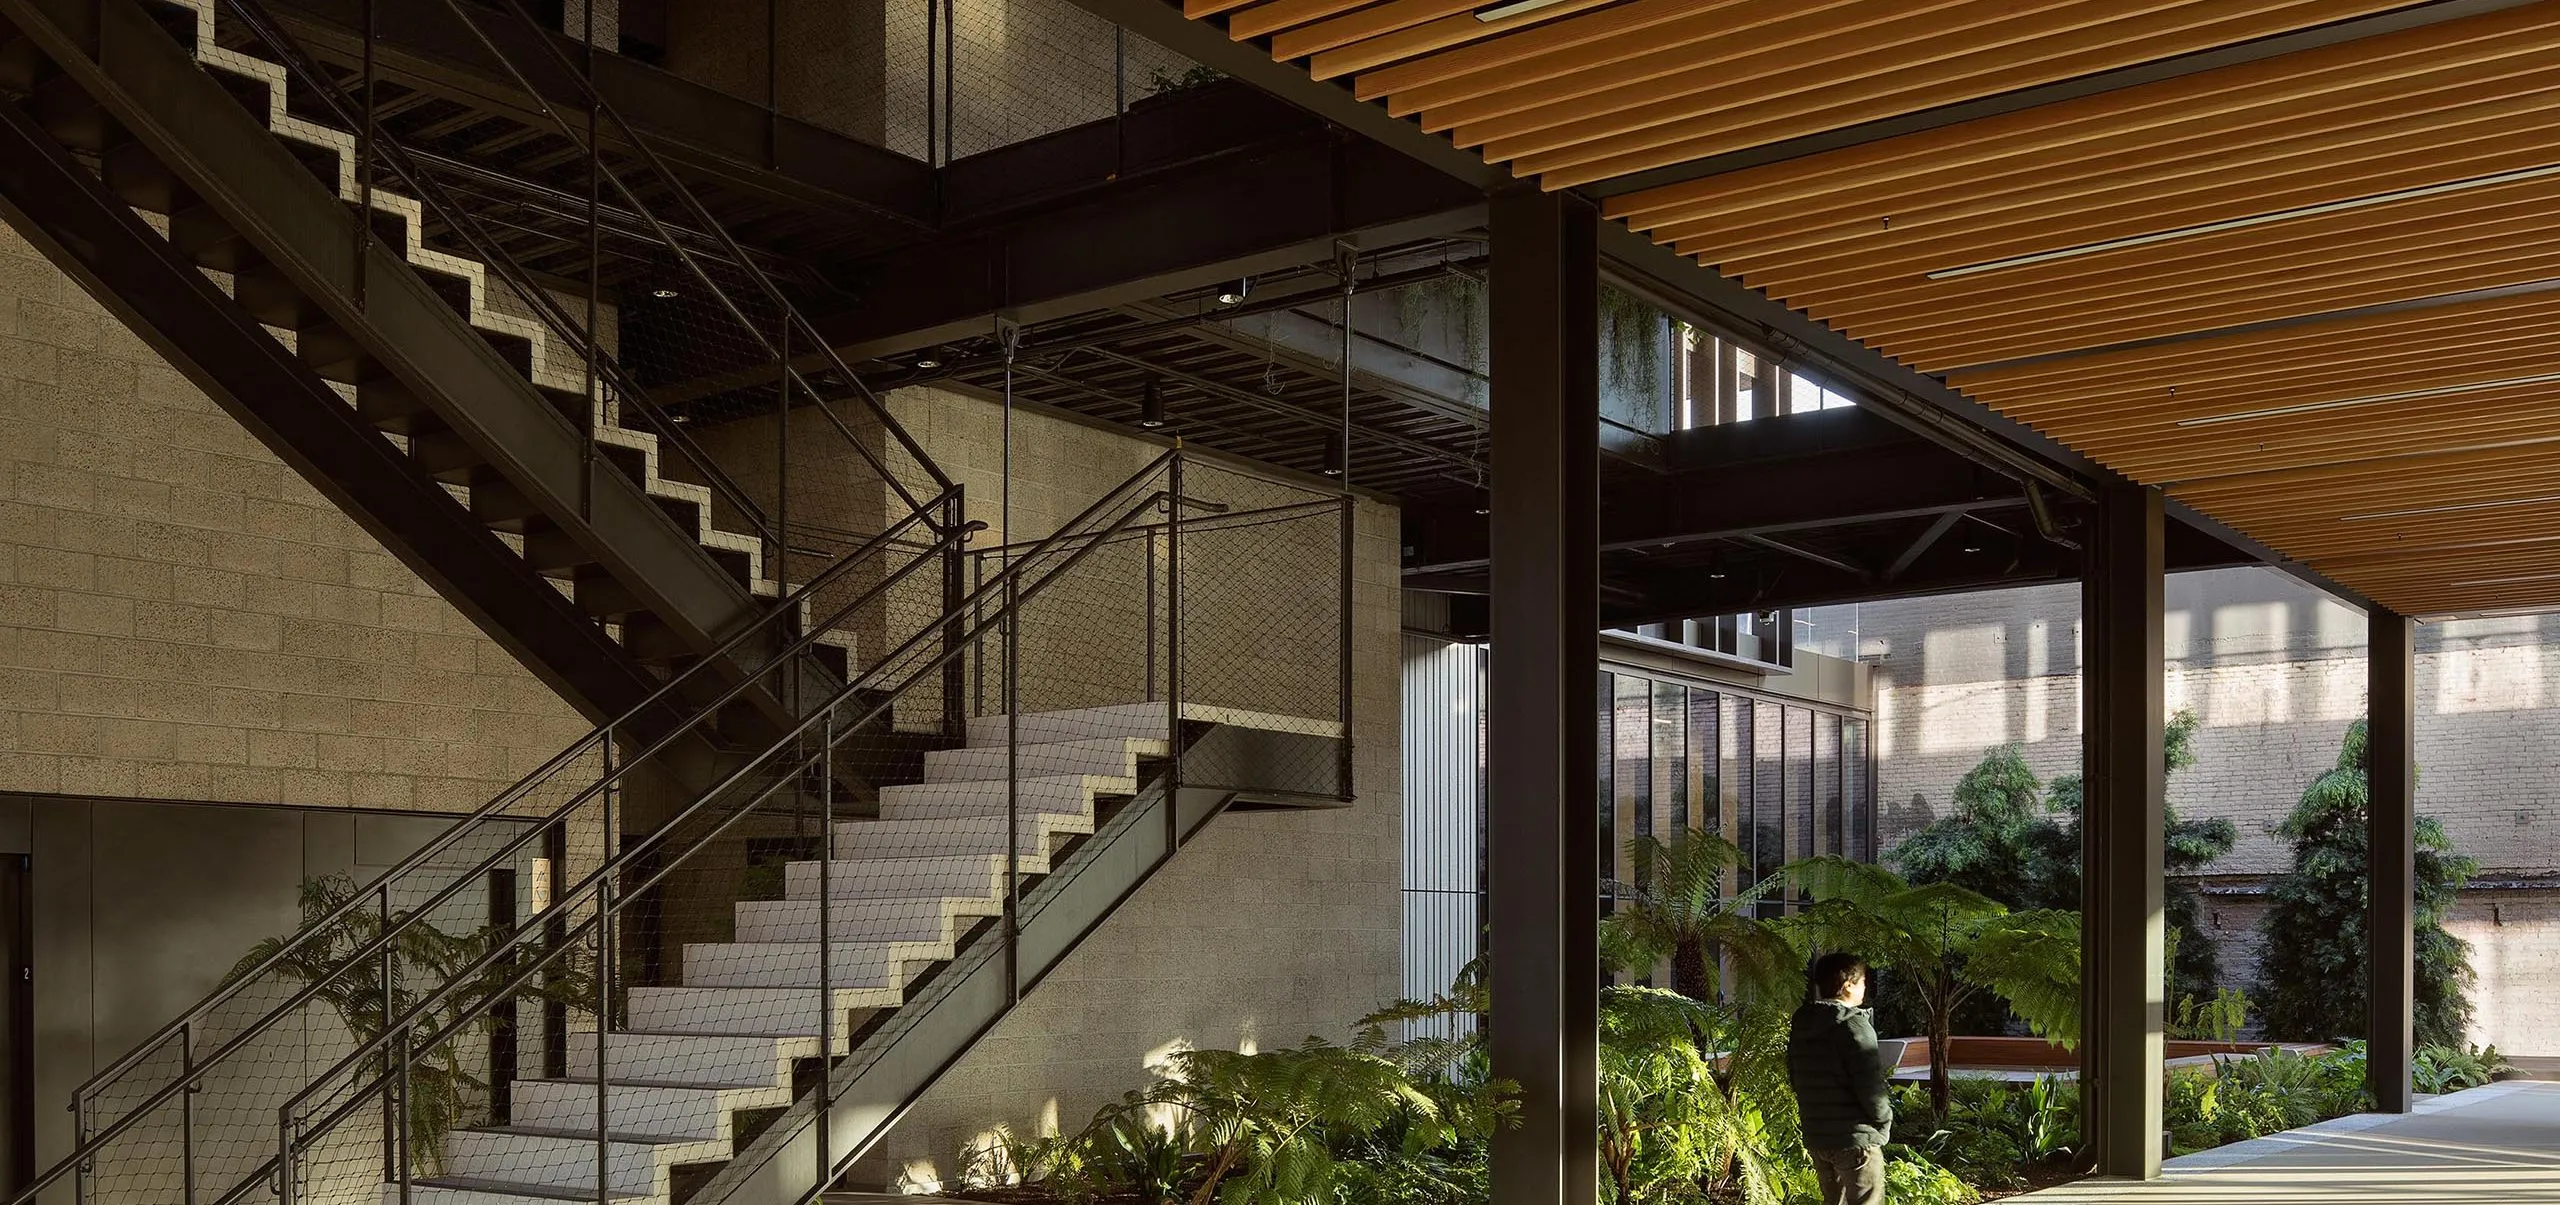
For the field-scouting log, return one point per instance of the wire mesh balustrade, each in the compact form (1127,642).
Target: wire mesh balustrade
(793,923)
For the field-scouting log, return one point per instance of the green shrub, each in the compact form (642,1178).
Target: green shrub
(2440,1069)
(1911,1179)
(1994,1129)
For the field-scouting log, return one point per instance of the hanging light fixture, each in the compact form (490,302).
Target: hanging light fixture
(1484,501)
(1151,405)
(663,293)
(1235,290)
(928,362)
(1336,455)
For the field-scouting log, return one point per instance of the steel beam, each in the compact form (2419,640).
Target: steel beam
(726,137)
(1743,481)
(2121,979)
(1283,206)
(2391,847)
(1542,817)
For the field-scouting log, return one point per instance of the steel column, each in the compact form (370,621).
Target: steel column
(1543,822)
(2121,965)
(2391,845)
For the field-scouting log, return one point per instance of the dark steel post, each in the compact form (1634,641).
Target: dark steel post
(364,162)
(1543,885)
(389,968)
(2391,847)
(605,921)
(555,941)
(186,1110)
(826,946)
(955,628)
(782,475)
(502,1012)
(401,1051)
(1173,501)
(1346,263)
(2122,977)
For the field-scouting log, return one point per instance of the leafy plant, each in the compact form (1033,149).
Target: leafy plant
(2311,984)
(1676,912)
(2440,1069)
(367,991)
(2217,1020)
(1910,1179)
(2017,840)
(1268,1121)
(1161,82)
(1993,1128)
(2270,1091)
(1947,945)
(1664,1126)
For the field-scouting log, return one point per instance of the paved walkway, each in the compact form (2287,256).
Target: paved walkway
(2500,1143)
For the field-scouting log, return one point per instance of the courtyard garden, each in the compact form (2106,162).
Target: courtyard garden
(1972,929)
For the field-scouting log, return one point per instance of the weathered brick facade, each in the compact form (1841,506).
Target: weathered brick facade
(2276,673)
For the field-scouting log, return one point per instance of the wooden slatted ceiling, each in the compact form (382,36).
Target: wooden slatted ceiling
(2305,293)
(2317,296)
(1583,90)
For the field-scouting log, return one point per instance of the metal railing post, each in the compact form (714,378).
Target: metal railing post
(605,921)
(1342,653)
(826,944)
(187,1111)
(285,1125)
(389,968)
(364,164)
(406,1055)
(1173,501)
(955,674)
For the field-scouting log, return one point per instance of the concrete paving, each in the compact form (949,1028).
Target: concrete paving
(2500,1143)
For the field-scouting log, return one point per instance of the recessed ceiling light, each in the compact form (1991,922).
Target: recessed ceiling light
(2281,215)
(2406,395)
(928,362)
(679,418)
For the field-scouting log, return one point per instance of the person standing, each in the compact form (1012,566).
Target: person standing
(1839,1081)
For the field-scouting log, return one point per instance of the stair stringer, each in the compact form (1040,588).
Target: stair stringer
(153,88)
(894,1065)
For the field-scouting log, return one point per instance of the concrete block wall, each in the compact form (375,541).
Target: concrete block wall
(2275,672)
(183,617)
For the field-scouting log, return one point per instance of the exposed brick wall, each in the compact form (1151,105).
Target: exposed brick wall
(2276,673)
(183,617)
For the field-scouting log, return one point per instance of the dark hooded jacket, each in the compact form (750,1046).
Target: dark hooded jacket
(1838,1077)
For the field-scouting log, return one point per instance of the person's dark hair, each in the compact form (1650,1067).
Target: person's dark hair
(1834,972)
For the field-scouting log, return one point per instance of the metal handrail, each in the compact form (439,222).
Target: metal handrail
(637,851)
(487,251)
(198,1068)
(798,324)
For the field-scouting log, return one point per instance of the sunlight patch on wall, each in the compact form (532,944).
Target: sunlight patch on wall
(1964,716)
(2502,678)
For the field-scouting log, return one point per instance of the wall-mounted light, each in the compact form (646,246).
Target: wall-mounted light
(1512,8)
(1235,290)
(1151,405)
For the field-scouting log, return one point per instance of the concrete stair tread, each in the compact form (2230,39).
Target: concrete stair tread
(510,1188)
(613,1136)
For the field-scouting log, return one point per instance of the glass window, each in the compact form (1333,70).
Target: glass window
(1833,837)
(1801,828)
(1670,759)
(1769,793)
(1858,813)
(1631,811)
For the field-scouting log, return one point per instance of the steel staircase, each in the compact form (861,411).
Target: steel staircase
(946,847)
(484,385)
